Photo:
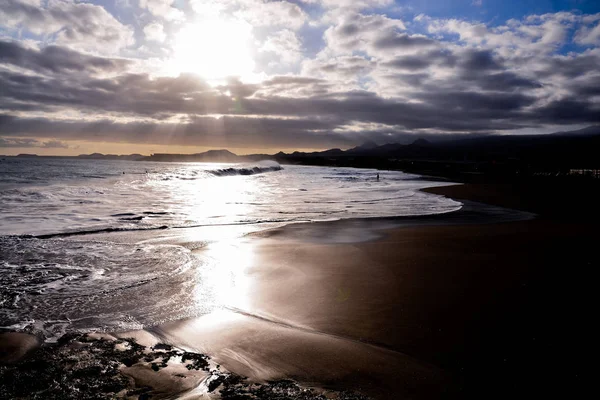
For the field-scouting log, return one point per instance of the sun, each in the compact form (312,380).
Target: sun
(214,49)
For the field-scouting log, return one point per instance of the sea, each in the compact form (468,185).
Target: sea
(61,270)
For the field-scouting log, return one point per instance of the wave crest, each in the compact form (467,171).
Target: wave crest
(245,170)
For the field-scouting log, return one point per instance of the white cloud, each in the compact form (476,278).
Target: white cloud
(356,4)
(154,31)
(208,8)
(591,18)
(533,35)
(79,25)
(345,72)
(278,13)
(467,31)
(286,45)
(356,31)
(588,35)
(163,9)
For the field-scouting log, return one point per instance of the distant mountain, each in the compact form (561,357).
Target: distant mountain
(224,156)
(91,156)
(421,142)
(330,152)
(365,147)
(100,156)
(590,130)
(459,159)
(497,155)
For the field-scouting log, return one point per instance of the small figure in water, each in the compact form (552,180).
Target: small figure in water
(377,176)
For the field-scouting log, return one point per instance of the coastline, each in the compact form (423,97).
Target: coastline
(562,200)
(418,311)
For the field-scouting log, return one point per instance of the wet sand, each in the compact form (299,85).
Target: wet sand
(421,312)
(403,311)
(566,200)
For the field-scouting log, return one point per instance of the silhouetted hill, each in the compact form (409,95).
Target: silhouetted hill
(208,156)
(468,159)
(421,142)
(365,147)
(484,156)
(590,130)
(100,156)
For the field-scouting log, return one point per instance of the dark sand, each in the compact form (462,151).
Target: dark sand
(424,312)
(557,199)
(14,345)
(451,311)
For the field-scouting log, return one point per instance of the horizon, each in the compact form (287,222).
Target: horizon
(589,131)
(255,76)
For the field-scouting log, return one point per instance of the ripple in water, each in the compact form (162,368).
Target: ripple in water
(52,285)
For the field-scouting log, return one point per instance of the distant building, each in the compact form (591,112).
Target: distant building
(593,173)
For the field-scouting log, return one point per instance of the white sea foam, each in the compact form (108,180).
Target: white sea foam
(151,195)
(51,285)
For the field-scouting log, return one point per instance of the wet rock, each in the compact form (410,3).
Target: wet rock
(101,366)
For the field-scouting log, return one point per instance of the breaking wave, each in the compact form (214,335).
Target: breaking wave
(245,171)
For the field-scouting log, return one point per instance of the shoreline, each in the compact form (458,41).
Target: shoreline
(567,201)
(316,332)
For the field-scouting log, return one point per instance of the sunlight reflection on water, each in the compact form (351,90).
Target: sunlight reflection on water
(226,273)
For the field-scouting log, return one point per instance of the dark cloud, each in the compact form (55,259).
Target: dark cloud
(586,87)
(203,131)
(206,131)
(478,101)
(57,59)
(344,66)
(442,107)
(21,10)
(28,142)
(421,60)
(349,29)
(238,89)
(569,67)
(16,142)
(449,107)
(569,110)
(54,144)
(505,81)
(480,60)
(291,80)
(471,69)
(409,62)
(128,94)
(412,81)
(394,40)
(416,85)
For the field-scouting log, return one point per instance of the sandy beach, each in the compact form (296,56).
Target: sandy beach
(422,312)
(394,310)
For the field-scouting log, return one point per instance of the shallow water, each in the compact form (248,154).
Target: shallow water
(49,196)
(56,277)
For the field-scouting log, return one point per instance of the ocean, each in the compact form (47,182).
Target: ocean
(60,269)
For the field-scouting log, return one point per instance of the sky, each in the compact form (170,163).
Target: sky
(145,76)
